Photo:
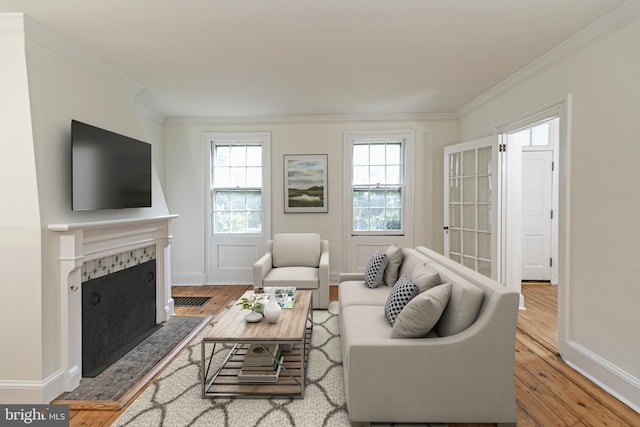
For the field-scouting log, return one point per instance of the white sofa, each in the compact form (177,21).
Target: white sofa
(296,259)
(460,372)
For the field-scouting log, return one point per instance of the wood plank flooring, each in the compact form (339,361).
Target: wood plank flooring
(548,392)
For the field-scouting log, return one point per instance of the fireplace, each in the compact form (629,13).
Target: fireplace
(118,307)
(82,247)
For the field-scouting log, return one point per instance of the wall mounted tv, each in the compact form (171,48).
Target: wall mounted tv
(109,171)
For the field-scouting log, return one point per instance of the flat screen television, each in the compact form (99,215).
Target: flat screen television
(109,171)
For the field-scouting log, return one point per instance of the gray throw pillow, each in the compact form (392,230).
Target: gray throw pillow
(425,278)
(421,314)
(394,255)
(374,272)
(403,292)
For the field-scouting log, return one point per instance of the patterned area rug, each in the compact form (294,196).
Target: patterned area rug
(174,398)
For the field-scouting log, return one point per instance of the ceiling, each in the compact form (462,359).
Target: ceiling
(245,58)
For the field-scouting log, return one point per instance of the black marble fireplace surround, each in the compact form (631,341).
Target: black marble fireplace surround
(118,312)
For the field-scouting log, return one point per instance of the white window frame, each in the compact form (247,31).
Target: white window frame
(241,141)
(408,153)
(229,257)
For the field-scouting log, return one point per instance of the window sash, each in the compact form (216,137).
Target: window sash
(377,186)
(236,187)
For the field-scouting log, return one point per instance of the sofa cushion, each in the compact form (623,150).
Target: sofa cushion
(363,321)
(464,303)
(411,259)
(425,278)
(353,293)
(419,316)
(374,272)
(403,292)
(394,256)
(296,250)
(300,277)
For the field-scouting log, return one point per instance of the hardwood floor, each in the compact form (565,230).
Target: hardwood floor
(548,392)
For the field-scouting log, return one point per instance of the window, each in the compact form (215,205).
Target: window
(236,187)
(378,185)
(539,135)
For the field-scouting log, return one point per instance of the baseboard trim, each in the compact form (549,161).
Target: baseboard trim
(188,279)
(615,381)
(36,392)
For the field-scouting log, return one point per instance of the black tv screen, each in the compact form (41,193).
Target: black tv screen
(109,171)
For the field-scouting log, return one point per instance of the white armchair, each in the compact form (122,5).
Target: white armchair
(296,259)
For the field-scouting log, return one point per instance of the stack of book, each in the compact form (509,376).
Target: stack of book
(261,364)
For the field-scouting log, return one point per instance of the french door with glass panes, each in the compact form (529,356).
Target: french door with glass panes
(470,204)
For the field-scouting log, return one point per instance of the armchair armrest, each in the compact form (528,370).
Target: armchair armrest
(350,277)
(323,276)
(324,267)
(261,268)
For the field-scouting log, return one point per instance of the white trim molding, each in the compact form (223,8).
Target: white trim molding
(319,118)
(620,384)
(37,33)
(80,242)
(11,24)
(613,21)
(360,247)
(21,392)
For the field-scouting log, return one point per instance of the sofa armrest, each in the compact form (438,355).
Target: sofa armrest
(413,380)
(350,277)
(261,268)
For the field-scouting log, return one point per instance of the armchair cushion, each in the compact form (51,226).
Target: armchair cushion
(301,277)
(296,250)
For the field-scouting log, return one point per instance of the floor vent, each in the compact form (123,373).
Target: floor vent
(190,301)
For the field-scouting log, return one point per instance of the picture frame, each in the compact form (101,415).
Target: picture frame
(305,183)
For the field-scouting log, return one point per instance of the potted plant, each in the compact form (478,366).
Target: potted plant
(255,305)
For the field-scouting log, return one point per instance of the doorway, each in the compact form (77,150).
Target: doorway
(541,136)
(539,211)
(552,126)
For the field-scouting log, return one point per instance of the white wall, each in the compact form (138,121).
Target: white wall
(20,248)
(601,291)
(59,84)
(186,182)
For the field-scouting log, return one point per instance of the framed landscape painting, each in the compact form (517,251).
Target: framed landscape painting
(305,183)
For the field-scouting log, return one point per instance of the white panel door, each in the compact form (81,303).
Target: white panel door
(238,204)
(470,204)
(537,175)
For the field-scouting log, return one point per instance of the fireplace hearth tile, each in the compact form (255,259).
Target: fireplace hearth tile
(121,376)
(96,268)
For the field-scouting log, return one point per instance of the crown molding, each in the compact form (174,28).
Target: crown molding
(11,24)
(307,119)
(37,33)
(608,24)
(150,113)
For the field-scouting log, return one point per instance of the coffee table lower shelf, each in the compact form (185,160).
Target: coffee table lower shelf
(225,383)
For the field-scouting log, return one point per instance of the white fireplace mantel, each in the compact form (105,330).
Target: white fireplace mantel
(78,243)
